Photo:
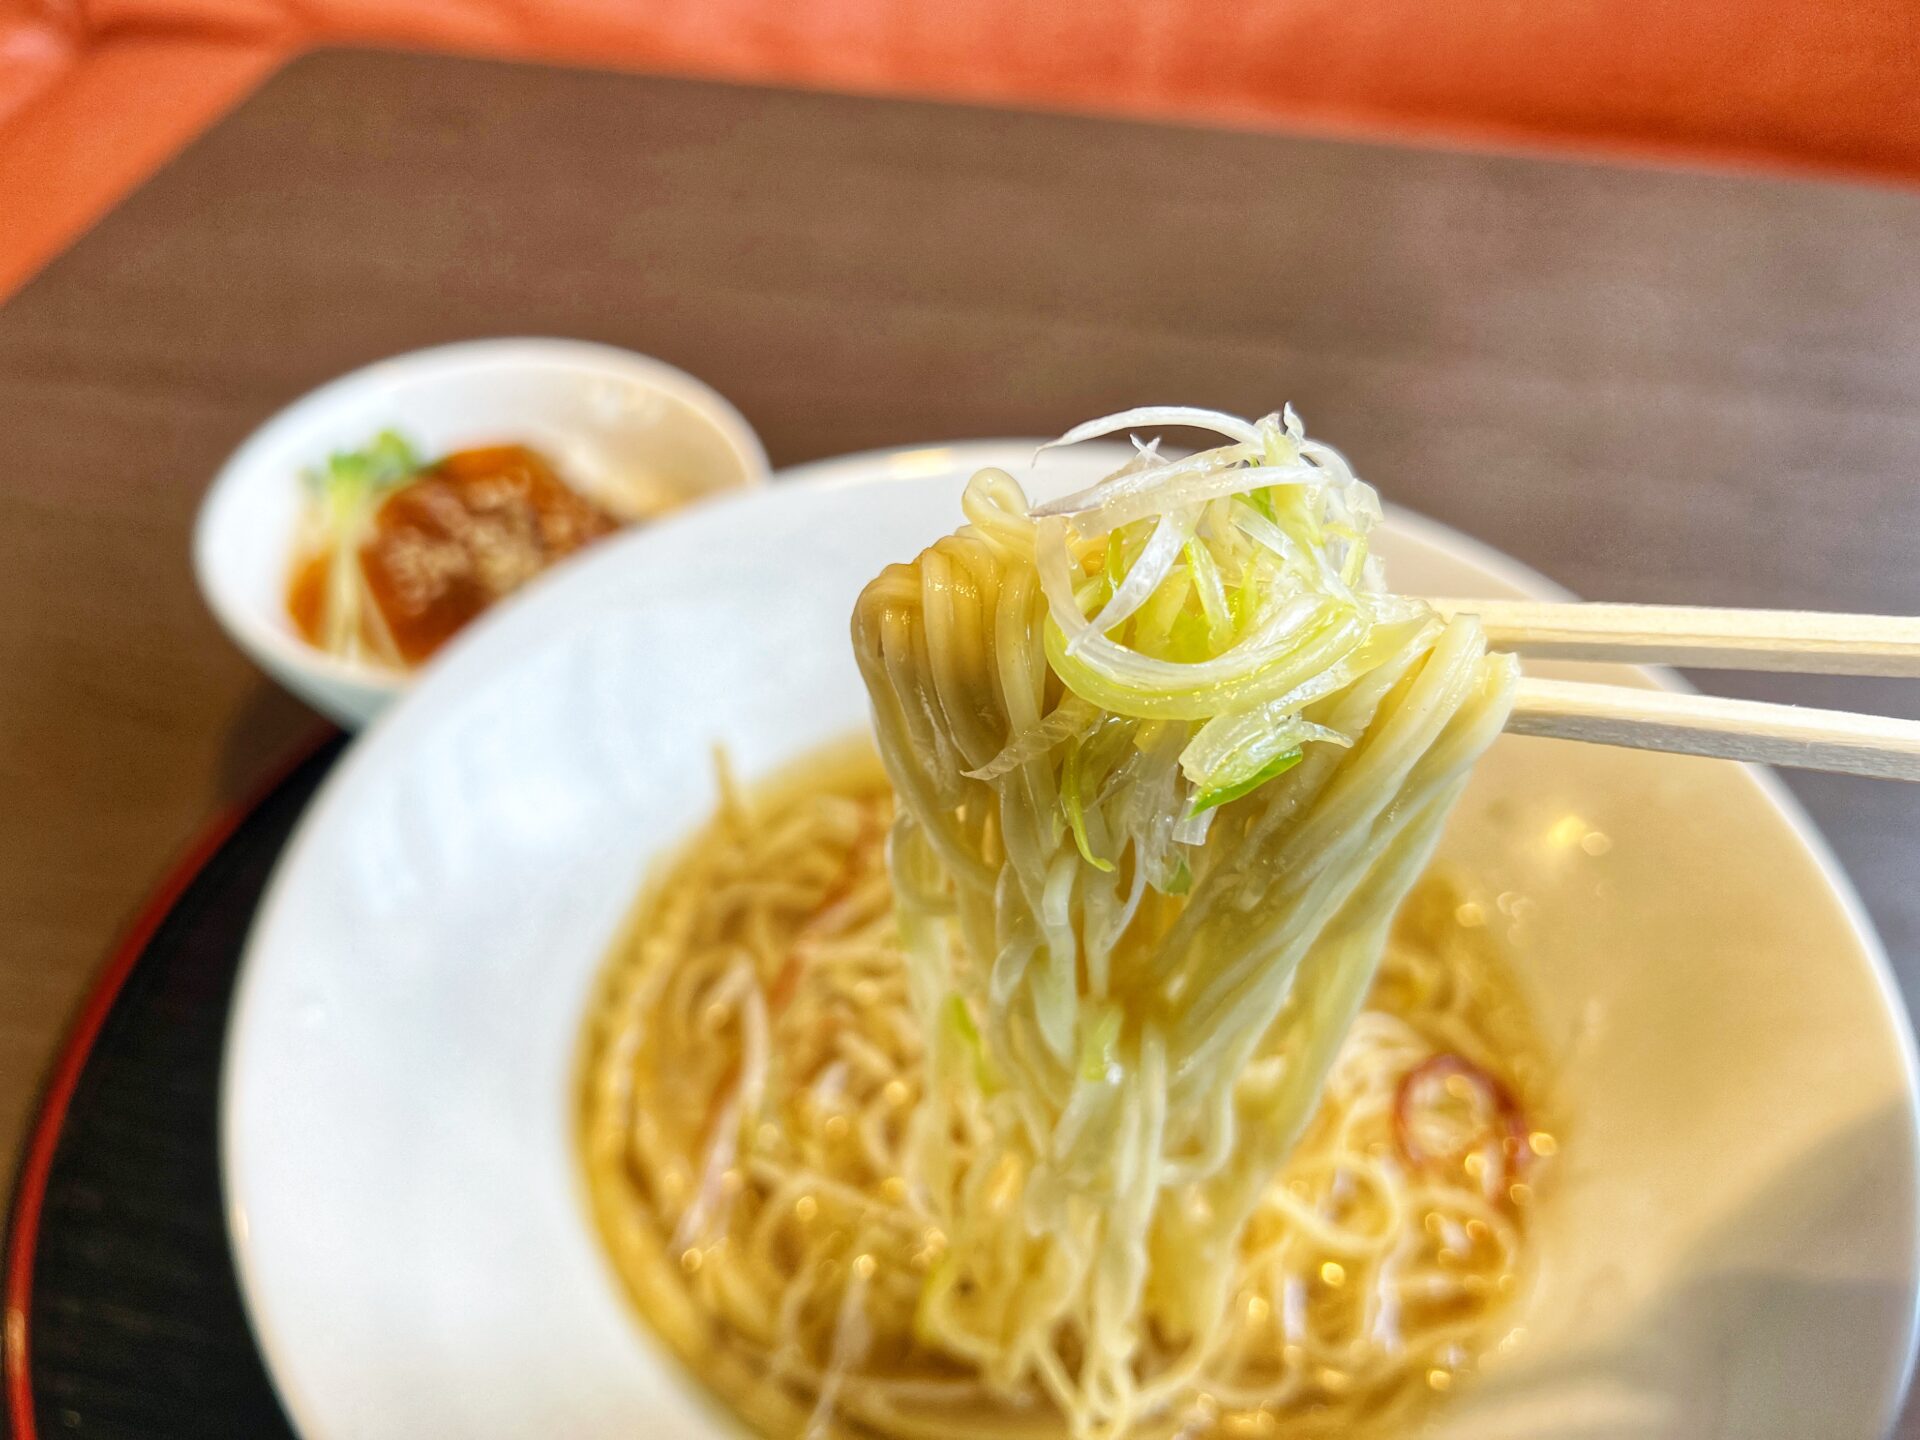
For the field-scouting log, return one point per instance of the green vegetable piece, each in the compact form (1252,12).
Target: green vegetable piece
(1279,765)
(1097,1046)
(355,476)
(1181,881)
(1071,803)
(960,1024)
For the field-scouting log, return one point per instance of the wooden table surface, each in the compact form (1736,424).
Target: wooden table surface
(1652,386)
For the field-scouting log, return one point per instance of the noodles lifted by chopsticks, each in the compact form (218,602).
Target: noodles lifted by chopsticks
(1168,757)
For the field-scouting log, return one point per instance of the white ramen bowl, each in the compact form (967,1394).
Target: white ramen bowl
(1726,1247)
(624,428)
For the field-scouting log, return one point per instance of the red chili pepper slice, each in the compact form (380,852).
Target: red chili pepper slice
(1508,1116)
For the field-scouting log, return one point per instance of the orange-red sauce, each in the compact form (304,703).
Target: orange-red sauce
(449,542)
(307,595)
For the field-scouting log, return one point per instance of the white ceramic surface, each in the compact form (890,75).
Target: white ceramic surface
(1727,1249)
(626,429)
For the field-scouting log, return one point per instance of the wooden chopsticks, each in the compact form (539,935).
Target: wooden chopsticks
(1800,642)
(1690,724)
(1791,641)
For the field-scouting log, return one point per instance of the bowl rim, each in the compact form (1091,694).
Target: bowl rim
(859,468)
(276,648)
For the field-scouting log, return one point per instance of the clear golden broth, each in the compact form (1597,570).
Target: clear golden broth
(1373,1278)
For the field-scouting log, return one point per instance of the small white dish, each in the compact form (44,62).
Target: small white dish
(1727,1250)
(611,421)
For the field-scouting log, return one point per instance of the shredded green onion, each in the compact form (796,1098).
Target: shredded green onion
(1075,810)
(1279,765)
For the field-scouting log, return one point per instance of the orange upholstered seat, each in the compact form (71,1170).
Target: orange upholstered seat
(95,93)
